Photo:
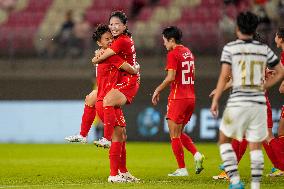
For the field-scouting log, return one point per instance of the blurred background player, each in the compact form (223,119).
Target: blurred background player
(108,75)
(181,101)
(128,85)
(245,114)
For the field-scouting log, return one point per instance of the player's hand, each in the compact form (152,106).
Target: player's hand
(155,98)
(212,93)
(137,68)
(214,109)
(98,53)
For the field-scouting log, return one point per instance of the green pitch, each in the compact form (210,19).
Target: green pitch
(86,166)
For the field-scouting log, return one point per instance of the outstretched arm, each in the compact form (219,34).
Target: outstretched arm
(102,55)
(278,76)
(227,86)
(170,78)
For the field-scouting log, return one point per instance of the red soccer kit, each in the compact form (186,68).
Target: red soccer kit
(107,76)
(282,61)
(181,100)
(127,84)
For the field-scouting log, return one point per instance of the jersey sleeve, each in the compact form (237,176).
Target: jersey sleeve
(118,45)
(272,59)
(226,56)
(116,61)
(171,62)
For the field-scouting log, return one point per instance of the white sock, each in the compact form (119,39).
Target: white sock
(255,185)
(230,162)
(257,164)
(197,156)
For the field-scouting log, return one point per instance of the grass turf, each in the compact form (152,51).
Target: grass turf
(86,166)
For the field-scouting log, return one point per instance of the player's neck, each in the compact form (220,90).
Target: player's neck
(245,37)
(176,45)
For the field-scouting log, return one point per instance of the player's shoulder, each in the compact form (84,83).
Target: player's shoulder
(234,43)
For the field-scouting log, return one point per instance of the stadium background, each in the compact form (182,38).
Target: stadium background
(46,69)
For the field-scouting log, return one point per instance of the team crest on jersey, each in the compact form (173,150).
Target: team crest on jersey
(187,55)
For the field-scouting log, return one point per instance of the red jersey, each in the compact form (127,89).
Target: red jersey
(282,58)
(181,60)
(108,74)
(124,47)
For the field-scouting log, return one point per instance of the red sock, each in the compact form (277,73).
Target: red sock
(270,154)
(178,151)
(242,149)
(87,119)
(122,166)
(114,157)
(109,118)
(236,146)
(187,143)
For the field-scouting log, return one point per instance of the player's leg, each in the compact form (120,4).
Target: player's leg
(113,98)
(256,133)
(240,149)
(114,155)
(87,118)
(232,126)
(175,132)
(123,172)
(257,164)
(186,140)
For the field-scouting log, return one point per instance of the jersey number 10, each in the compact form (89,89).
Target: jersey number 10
(187,67)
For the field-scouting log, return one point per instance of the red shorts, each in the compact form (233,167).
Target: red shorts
(282,113)
(129,89)
(269,113)
(120,121)
(180,110)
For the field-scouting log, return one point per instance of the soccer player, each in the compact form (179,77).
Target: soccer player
(240,147)
(276,145)
(128,84)
(245,114)
(107,77)
(181,101)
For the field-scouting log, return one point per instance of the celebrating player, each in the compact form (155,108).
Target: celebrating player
(128,84)
(107,77)
(245,114)
(181,101)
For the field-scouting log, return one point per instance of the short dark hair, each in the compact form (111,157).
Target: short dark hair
(280,32)
(247,22)
(100,30)
(173,32)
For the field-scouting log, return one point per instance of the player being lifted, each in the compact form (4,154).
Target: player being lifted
(245,114)
(181,101)
(125,91)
